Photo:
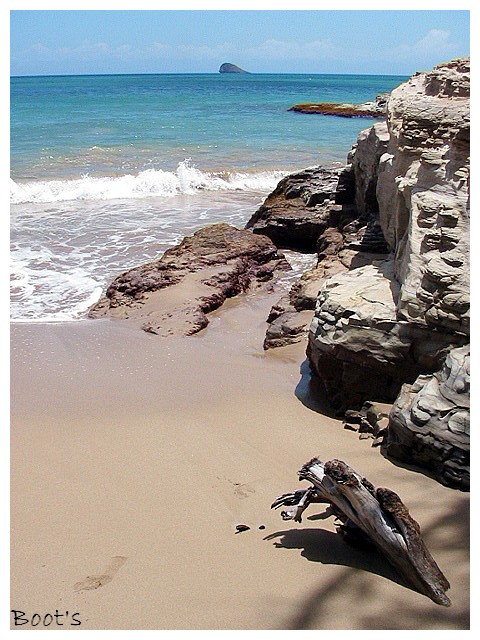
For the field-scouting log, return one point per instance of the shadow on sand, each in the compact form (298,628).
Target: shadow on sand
(353,586)
(311,392)
(326,547)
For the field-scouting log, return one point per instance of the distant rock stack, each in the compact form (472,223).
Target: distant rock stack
(228,67)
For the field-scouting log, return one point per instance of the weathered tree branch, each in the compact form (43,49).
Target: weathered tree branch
(378,513)
(299,500)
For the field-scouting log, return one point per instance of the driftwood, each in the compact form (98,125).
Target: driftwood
(375,514)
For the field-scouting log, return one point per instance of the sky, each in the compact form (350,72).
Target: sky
(260,41)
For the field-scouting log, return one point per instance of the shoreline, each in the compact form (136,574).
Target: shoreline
(151,450)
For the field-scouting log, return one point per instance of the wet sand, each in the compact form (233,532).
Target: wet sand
(134,457)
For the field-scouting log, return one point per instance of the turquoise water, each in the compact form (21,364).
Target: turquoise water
(108,171)
(63,125)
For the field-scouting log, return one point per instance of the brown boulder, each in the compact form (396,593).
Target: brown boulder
(298,211)
(172,295)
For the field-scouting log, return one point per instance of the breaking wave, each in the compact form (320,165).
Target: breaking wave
(186,179)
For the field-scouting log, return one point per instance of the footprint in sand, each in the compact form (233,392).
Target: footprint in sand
(95,582)
(243,490)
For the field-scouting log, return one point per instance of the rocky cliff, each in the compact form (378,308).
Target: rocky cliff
(423,193)
(390,291)
(394,322)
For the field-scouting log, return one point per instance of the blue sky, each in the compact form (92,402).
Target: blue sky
(269,41)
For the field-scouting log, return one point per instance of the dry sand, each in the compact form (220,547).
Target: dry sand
(134,457)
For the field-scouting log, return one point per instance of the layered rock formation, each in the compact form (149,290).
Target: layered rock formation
(422,196)
(430,421)
(373,109)
(357,345)
(391,287)
(385,324)
(423,192)
(172,295)
(334,211)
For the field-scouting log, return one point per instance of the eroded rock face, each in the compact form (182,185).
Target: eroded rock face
(406,320)
(357,345)
(430,421)
(350,234)
(365,156)
(289,319)
(298,211)
(172,295)
(423,192)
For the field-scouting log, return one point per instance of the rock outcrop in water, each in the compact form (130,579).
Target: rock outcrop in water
(172,295)
(228,67)
(374,109)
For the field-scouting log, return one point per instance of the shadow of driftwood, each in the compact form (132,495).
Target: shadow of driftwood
(353,586)
(311,392)
(328,513)
(326,547)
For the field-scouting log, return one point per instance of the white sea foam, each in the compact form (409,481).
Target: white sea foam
(39,292)
(186,179)
(64,253)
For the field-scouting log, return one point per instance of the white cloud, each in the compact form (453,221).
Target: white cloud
(276,50)
(85,50)
(291,50)
(434,38)
(157,48)
(435,43)
(204,52)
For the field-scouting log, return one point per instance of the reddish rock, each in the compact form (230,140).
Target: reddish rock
(375,109)
(172,295)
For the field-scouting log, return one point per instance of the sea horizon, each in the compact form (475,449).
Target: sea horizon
(203,73)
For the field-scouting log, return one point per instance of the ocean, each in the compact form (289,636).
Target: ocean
(109,171)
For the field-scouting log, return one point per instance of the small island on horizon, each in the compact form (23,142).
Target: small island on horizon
(228,67)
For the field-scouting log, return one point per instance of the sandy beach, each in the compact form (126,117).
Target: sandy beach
(134,457)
